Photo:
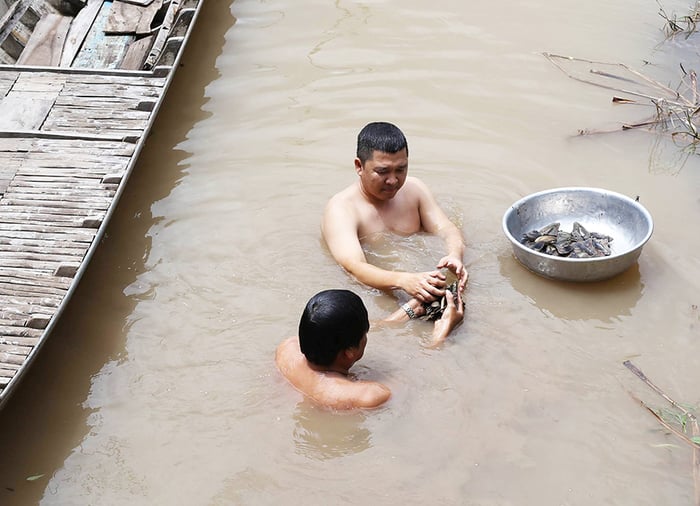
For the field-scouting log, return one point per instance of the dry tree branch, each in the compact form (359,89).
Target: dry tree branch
(694,427)
(649,82)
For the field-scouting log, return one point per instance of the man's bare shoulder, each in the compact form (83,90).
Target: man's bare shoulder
(342,211)
(345,198)
(328,389)
(415,185)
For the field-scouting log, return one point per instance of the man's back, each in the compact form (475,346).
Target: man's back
(326,388)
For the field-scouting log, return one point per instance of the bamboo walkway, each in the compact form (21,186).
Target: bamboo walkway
(69,137)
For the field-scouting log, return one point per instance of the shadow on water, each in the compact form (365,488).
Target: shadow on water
(323,435)
(45,418)
(602,300)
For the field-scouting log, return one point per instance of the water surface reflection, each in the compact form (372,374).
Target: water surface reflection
(324,434)
(607,301)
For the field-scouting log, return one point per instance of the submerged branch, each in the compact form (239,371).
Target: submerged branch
(674,109)
(693,422)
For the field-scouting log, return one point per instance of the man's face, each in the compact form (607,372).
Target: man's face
(384,174)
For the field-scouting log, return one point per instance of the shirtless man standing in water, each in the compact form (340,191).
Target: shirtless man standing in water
(385,199)
(332,337)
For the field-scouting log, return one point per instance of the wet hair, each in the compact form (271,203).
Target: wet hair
(333,321)
(380,136)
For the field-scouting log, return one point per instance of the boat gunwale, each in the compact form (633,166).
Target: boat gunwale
(157,71)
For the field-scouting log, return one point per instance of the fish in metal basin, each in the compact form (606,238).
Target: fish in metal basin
(579,243)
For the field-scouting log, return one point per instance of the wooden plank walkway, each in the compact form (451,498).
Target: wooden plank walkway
(69,138)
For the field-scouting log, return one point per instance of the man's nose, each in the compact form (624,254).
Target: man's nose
(392,179)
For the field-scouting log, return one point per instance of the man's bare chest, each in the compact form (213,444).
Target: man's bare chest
(397,219)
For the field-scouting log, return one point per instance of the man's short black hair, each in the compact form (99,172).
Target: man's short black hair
(380,136)
(333,321)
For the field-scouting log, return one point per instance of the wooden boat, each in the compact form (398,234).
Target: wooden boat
(123,34)
(81,82)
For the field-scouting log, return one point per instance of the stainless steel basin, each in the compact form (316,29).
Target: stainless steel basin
(603,211)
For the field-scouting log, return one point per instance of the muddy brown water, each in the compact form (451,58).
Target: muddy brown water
(158,386)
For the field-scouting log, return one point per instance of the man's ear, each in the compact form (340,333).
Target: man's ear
(358,166)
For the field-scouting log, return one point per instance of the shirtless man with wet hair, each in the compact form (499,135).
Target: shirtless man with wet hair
(385,199)
(332,337)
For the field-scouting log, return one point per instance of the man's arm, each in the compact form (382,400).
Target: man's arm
(451,317)
(435,221)
(370,394)
(339,229)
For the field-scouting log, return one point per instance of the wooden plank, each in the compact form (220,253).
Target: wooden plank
(13,349)
(11,18)
(87,150)
(31,249)
(56,189)
(15,289)
(30,304)
(78,31)
(183,22)
(115,117)
(131,18)
(16,320)
(40,82)
(45,209)
(45,229)
(94,220)
(78,238)
(5,84)
(79,185)
(11,358)
(162,35)
(130,80)
(91,173)
(56,184)
(100,50)
(31,337)
(14,260)
(24,111)
(93,90)
(93,194)
(5,59)
(31,264)
(31,290)
(56,121)
(139,2)
(70,146)
(22,276)
(65,195)
(46,43)
(136,54)
(120,105)
(54,219)
(32,166)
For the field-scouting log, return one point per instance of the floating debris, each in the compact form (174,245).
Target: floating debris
(579,243)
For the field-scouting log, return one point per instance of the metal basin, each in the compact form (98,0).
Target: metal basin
(622,218)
